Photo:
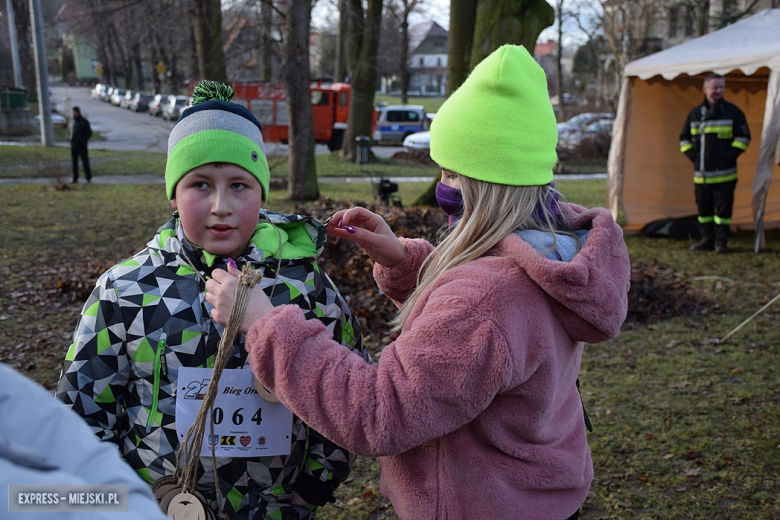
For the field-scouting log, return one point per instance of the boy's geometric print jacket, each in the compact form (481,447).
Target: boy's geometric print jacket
(148,316)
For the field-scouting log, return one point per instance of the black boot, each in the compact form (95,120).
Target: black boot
(707,242)
(721,237)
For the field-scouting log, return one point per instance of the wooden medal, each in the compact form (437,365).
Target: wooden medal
(163,485)
(263,391)
(185,506)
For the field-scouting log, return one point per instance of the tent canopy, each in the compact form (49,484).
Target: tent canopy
(747,45)
(649,179)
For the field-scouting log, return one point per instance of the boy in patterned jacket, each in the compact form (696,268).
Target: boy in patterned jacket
(148,318)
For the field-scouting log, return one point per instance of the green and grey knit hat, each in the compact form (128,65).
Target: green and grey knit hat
(499,126)
(214,129)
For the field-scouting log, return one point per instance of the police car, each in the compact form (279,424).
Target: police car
(395,122)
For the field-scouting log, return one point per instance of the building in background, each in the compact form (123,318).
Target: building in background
(427,59)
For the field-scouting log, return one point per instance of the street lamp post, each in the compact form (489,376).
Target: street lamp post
(39,47)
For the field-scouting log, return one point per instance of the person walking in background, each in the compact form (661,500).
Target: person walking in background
(79,133)
(474,408)
(714,134)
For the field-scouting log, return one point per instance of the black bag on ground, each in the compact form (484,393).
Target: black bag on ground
(683,228)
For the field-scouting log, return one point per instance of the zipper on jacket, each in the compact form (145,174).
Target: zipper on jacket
(160,367)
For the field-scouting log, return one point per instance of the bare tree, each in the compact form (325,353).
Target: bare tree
(362,46)
(730,11)
(387,60)
(401,10)
(266,40)
(207,22)
(340,69)
(302,167)
(559,58)
(461,36)
(626,25)
(24,39)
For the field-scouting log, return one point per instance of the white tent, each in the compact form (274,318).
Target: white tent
(649,179)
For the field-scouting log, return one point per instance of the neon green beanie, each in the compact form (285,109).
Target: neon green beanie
(499,126)
(215,130)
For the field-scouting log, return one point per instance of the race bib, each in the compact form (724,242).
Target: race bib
(245,424)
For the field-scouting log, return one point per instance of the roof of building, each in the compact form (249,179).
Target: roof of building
(545,48)
(422,31)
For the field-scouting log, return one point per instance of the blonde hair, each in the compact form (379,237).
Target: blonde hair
(491,212)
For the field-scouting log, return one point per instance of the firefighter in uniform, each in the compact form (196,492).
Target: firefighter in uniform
(714,135)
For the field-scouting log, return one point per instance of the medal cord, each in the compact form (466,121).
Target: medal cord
(188,454)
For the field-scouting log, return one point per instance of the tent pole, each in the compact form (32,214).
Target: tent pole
(766,152)
(759,227)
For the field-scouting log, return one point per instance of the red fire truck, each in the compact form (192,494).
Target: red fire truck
(268,102)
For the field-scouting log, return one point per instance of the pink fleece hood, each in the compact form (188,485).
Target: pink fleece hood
(589,293)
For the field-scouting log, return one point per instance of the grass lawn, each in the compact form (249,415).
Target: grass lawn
(37,161)
(331,165)
(684,426)
(431,104)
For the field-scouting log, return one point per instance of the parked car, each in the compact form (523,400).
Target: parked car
(155,105)
(568,99)
(106,94)
(418,141)
(394,123)
(126,99)
(586,135)
(56,119)
(172,107)
(140,102)
(95,92)
(117,95)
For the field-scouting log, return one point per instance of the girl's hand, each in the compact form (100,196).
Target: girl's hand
(370,232)
(221,291)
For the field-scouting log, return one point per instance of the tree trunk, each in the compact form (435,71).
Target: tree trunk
(499,22)
(24,44)
(462,17)
(138,72)
(302,167)
(558,58)
(266,16)
(207,25)
(362,47)
(340,72)
(404,59)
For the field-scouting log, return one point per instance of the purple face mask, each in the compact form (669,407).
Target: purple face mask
(551,203)
(450,200)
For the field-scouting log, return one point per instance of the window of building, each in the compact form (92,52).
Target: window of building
(438,62)
(421,62)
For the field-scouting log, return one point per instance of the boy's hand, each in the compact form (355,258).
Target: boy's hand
(221,291)
(370,232)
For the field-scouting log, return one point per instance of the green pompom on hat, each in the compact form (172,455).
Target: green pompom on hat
(499,126)
(215,130)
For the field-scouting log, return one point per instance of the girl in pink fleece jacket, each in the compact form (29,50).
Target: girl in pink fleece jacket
(474,409)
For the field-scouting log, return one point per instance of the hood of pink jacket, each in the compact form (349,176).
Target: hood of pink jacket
(589,293)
